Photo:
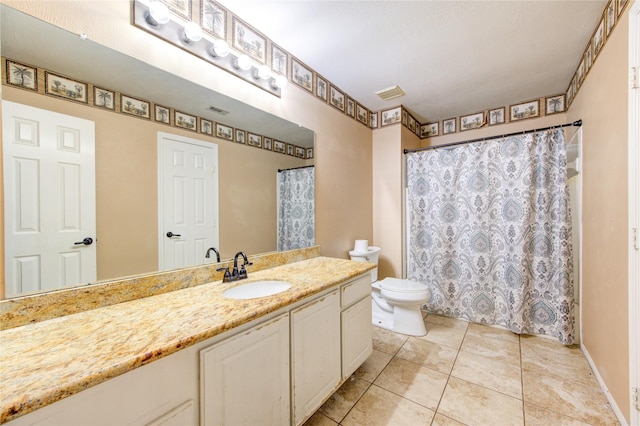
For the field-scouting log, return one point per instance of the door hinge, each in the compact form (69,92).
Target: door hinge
(635,397)
(634,77)
(636,243)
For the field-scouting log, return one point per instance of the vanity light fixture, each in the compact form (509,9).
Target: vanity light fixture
(158,13)
(219,48)
(192,32)
(154,17)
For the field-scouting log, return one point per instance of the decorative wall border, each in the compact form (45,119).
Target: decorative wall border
(490,117)
(607,23)
(13,74)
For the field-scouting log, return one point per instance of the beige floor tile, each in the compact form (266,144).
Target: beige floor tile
(483,330)
(381,407)
(413,382)
(498,374)
(342,400)
(475,405)
(373,366)
(538,416)
(387,341)
(492,347)
(544,356)
(428,354)
(569,397)
(547,342)
(440,420)
(443,335)
(319,419)
(447,321)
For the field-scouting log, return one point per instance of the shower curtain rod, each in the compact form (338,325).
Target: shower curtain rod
(576,123)
(295,168)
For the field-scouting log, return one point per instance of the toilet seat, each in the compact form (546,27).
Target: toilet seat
(401,286)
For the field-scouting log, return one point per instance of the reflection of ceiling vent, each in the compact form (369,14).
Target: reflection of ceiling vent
(218,110)
(390,93)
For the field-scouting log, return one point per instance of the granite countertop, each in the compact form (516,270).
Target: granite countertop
(44,362)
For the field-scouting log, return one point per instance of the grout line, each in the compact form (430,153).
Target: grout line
(524,421)
(444,389)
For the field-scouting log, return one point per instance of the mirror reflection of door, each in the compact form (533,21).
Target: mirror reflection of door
(188,201)
(50,201)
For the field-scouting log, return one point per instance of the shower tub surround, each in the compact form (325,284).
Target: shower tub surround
(46,361)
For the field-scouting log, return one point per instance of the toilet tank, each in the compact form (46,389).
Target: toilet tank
(371,256)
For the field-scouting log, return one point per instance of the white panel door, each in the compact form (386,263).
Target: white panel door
(50,202)
(188,200)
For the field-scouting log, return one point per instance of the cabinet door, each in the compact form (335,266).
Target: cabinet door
(356,336)
(245,379)
(315,354)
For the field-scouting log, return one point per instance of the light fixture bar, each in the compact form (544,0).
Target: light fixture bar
(173,32)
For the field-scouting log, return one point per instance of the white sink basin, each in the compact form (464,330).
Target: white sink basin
(256,289)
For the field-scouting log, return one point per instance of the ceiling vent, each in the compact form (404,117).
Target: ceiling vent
(218,110)
(390,93)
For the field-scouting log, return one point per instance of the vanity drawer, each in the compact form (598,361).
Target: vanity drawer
(355,290)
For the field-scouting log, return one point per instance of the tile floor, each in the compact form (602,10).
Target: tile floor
(462,373)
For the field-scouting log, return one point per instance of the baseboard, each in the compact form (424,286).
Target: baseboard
(607,394)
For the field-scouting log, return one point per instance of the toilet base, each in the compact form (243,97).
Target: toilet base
(402,320)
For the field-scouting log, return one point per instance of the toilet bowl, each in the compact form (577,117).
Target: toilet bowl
(395,302)
(396,305)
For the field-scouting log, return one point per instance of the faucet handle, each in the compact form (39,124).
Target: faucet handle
(227,275)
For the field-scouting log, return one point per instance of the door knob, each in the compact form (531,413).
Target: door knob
(171,234)
(87,242)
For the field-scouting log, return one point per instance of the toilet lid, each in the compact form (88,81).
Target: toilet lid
(397,284)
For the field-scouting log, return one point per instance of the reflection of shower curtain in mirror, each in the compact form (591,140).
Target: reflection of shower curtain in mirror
(296,208)
(490,232)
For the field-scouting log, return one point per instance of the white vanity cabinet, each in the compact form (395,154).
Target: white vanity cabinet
(245,378)
(275,370)
(356,338)
(164,392)
(315,354)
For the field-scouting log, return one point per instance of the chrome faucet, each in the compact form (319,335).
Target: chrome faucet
(208,255)
(236,274)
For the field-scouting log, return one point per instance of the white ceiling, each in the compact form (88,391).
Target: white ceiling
(450,57)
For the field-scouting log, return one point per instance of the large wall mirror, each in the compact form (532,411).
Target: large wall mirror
(126,147)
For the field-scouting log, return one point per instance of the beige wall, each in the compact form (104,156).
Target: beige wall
(602,104)
(343,146)
(387,198)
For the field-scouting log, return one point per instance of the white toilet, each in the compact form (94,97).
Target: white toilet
(396,305)
(395,302)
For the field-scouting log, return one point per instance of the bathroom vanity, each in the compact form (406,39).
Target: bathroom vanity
(193,356)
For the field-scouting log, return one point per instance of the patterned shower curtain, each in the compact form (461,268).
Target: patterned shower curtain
(296,208)
(489,231)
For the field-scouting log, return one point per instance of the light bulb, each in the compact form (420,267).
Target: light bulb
(280,82)
(243,62)
(192,32)
(158,13)
(262,72)
(219,48)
